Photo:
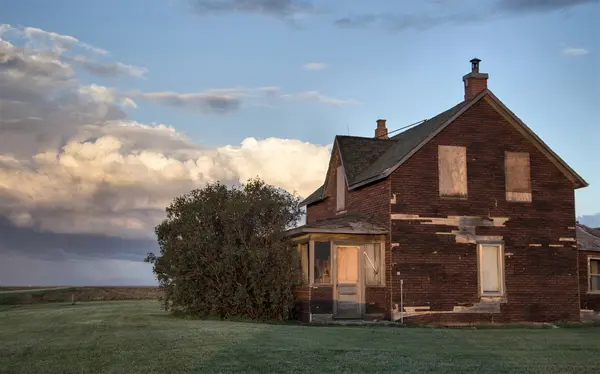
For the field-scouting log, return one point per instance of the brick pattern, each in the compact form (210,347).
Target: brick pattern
(475,86)
(302,303)
(438,272)
(321,301)
(588,300)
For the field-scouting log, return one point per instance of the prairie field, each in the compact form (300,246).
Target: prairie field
(138,337)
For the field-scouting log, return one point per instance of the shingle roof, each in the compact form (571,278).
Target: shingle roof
(405,142)
(368,158)
(314,197)
(588,239)
(347,223)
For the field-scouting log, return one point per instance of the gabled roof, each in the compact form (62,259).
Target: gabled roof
(588,239)
(367,160)
(347,223)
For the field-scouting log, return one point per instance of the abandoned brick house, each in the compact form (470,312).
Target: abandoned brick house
(465,217)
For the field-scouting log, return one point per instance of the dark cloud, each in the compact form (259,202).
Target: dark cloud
(405,22)
(520,6)
(108,69)
(56,246)
(275,8)
(209,102)
(455,15)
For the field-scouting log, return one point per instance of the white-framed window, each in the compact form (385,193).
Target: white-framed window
(373,264)
(517,174)
(341,188)
(594,274)
(452,171)
(491,269)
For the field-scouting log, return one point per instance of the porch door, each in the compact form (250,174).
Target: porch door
(348,289)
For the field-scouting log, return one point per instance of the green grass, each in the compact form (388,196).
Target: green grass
(137,337)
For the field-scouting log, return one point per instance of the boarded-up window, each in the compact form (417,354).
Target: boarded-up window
(594,274)
(518,176)
(373,264)
(322,269)
(490,269)
(341,188)
(452,164)
(304,261)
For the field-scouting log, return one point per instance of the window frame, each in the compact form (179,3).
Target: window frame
(590,275)
(512,196)
(501,269)
(441,182)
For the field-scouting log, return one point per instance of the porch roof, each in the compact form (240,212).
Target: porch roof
(346,223)
(588,238)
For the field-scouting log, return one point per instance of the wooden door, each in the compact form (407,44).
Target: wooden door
(348,285)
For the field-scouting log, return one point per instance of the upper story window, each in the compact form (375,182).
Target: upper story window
(517,176)
(341,188)
(452,164)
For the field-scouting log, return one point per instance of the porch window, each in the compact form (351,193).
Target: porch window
(322,266)
(373,264)
(304,261)
(517,176)
(594,274)
(491,269)
(452,170)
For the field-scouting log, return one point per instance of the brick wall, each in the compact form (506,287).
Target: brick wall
(302,303)
(588,300)
(372,200)
(541,282)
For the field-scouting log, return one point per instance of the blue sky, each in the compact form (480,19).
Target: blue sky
(379,59)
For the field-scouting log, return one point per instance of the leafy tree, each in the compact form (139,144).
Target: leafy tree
(223,252)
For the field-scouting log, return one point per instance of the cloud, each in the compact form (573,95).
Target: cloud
(534,6)
(36,36)
(72,163)
(273,8)
(315,66)
(574,51)
(445,15)
(108,69)
(316,96)
(215,101)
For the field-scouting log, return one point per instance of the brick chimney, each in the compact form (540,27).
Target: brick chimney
(475,82)
(381,132)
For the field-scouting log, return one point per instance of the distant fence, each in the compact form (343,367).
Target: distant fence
(38,295)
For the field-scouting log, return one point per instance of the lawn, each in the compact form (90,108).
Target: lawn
(138,337)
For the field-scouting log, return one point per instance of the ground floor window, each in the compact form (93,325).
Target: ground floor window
(322,269)
(491,269)
(594,274)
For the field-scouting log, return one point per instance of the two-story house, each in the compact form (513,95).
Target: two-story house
(465,217)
